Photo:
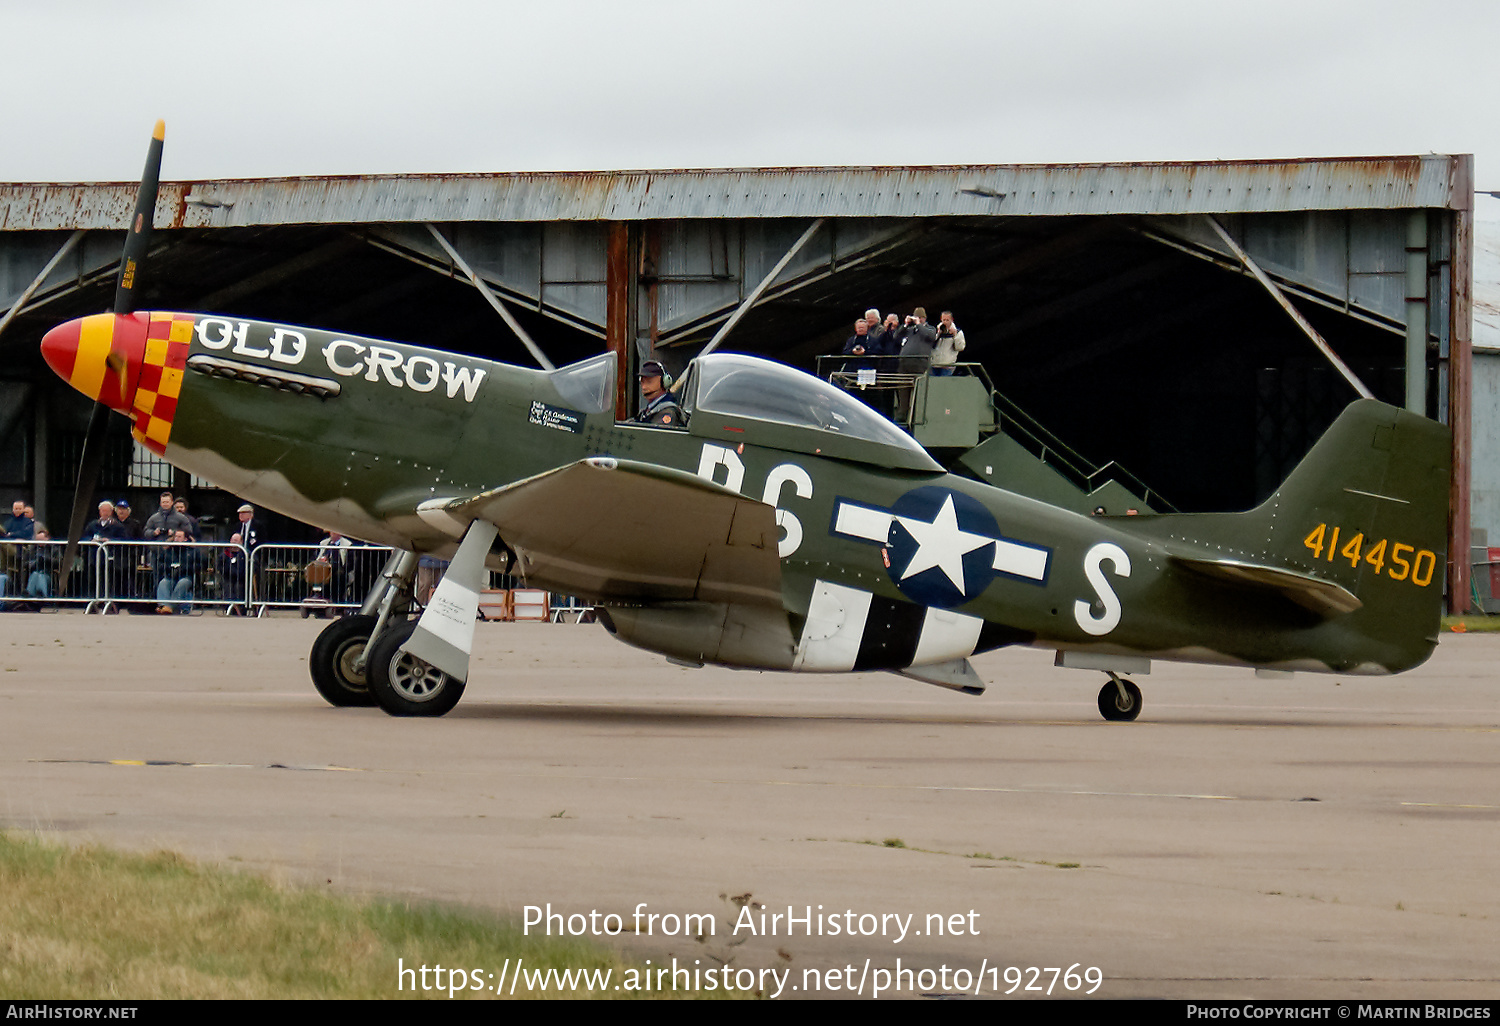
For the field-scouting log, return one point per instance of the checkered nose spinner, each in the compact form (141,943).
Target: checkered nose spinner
(132,363)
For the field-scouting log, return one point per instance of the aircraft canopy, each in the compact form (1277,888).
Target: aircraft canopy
(826,420)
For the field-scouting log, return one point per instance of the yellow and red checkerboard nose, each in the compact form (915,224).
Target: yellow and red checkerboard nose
(146,381)
(79,352)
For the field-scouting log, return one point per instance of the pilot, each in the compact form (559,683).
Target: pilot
(658,404)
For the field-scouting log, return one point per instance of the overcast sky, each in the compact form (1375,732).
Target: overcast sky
(273,88)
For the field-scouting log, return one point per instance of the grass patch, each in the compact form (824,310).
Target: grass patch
(95,923)
(1471,623)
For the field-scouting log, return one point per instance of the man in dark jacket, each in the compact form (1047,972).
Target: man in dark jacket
(130,527)
(18,526)
(658,404)
(102,574)
(176,566)
(917,341)
(131,559)
(161,524)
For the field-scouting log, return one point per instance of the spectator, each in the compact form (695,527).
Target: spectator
(950,342)
(105,529)
(176,565)
(338,552)
(249,527)
(19,526)
(888,333)
(130,527)
(194,532)
(859,344)
(41,564)
(918,338)
(161,524)
(234,576)
(30,512)
(917,341)
(131,560)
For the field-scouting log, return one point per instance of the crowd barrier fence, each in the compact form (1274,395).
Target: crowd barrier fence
(315,580)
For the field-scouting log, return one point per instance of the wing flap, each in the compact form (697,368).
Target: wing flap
(619,530)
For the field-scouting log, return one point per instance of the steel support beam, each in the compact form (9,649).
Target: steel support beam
(36,283)
(1460,383)
(619,283)
(41,454)
(1416,312)
(1292,311)
(494,300)
(765,283)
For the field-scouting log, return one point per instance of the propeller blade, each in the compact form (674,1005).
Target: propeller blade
(137,239)
(139,236)
(88,479)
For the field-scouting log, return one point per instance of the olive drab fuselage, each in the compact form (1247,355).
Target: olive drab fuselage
(353,434)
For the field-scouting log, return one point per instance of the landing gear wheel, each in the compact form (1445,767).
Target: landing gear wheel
(331,661)
(404,685)
(1117,707)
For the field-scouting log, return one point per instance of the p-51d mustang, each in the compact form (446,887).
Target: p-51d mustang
(785,527)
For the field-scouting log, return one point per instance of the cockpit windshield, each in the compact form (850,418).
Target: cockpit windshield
(588,385)
(735,385)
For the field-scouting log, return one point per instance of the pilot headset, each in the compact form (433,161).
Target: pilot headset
(666,376)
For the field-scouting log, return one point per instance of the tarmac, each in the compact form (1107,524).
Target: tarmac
(1318,837)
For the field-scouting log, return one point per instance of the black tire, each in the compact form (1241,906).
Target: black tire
(404,685)
(331,661)
(1117,709)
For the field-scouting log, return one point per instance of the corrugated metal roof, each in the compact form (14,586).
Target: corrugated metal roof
(1381,183)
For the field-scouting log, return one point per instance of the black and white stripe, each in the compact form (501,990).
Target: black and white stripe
(850,629)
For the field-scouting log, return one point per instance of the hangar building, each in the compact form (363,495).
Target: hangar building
(1198,323)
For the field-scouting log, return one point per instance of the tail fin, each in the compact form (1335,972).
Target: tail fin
(1357,534)
(1368,507)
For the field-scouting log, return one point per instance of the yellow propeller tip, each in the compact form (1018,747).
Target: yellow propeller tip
(160,132)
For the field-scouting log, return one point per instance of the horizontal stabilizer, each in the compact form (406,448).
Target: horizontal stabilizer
(618,530)
(1324,598)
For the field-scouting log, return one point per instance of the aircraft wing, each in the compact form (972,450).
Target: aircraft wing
(626,531)
(1324,598)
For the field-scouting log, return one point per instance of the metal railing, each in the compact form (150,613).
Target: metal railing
(887,383)
(114,575)
(145,577)
(316,580)
(883,382)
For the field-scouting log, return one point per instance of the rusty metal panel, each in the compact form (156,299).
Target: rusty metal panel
(506,254)
(1378,183)
(22,256)
(1356,259)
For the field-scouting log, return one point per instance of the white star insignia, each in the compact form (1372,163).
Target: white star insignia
(941,544)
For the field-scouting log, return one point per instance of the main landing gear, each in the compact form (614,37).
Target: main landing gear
(357,661)
(1120,699)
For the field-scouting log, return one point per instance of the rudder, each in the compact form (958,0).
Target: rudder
(1368,509)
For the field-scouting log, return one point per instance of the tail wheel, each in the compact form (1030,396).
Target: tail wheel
(1120,700)
(332,660)
(404,685)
